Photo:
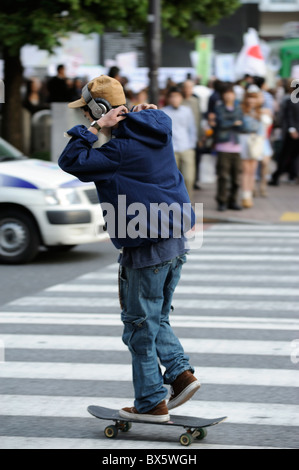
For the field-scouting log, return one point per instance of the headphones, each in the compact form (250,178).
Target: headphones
(98,107)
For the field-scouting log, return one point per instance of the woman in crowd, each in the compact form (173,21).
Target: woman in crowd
(252,142)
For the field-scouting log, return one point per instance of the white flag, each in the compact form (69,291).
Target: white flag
(251,60)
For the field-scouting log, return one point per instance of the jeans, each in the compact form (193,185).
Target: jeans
(146,300)
(186,164)
(229,169)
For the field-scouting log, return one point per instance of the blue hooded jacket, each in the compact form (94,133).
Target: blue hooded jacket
(139,163)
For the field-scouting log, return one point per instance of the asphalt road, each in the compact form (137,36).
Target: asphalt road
(51,268)
(236,313)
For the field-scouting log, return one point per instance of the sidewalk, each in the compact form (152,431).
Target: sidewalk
(281,206)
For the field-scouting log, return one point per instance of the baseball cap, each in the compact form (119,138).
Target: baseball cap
(103,87)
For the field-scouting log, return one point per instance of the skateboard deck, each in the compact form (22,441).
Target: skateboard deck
(195,427)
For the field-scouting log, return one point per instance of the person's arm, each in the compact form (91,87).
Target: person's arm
(80,159)
(89,164)
(239,120)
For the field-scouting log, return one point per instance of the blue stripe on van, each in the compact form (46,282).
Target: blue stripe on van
(13,182)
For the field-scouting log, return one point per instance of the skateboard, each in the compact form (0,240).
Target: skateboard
(195,427)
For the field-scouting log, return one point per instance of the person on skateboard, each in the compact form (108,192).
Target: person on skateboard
(137,167)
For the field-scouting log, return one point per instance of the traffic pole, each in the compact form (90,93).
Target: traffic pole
(154,48)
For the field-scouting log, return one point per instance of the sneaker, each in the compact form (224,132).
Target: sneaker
(159,414)
(235,207)
(183,388)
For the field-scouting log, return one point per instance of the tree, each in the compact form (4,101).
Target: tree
(44,22)
(180,18)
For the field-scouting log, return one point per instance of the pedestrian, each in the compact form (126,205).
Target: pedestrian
(268,105)
(59,91)
(193,102)
(252,141)
(288,158)
(267,99)
(267,124)
(203,93)
(184,136)
(139,163)
(215,97)
(114,72)
(228,125)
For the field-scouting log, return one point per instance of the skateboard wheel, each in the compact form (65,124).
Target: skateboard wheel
(186,439)
(126,427)
(202,433)
(111,432)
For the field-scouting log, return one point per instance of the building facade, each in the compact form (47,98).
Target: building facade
(279,19)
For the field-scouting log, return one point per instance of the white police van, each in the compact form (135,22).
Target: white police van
(40,205)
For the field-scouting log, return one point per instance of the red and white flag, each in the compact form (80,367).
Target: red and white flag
(251,60)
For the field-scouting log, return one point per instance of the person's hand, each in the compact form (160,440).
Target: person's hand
(212,119)
(143,107)
(238,123)
(114,116)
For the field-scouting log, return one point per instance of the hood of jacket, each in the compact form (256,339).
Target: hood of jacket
(152,128)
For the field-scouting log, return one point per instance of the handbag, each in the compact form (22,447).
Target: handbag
(256,146)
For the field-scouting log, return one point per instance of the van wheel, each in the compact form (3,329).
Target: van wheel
(19,237)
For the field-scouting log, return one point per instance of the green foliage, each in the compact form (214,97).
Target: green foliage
(44,22)
(180,18)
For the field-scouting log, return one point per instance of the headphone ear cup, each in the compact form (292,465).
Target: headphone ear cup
(98,107)
(98,112)
(104,105)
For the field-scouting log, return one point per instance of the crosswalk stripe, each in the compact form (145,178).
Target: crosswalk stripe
(123,373)
(254,234)
(61,443)
(235,240)
(76,407)
(186,304)
(185,321)
(237,267)
(199,268)
(110,343)
(190,289)
(252,257)
(245,249)
(200,277)
(239,228)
